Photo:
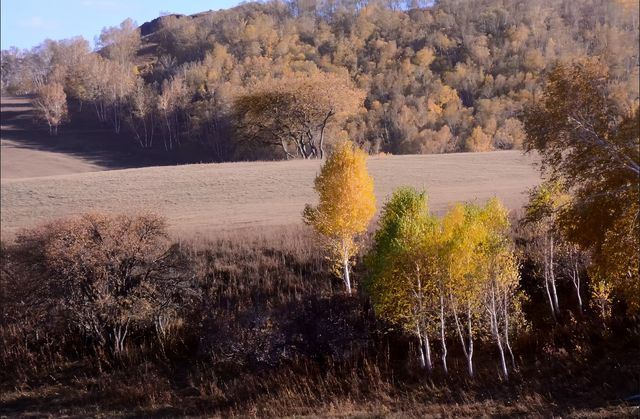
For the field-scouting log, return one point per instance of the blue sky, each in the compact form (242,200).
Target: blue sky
(26,23)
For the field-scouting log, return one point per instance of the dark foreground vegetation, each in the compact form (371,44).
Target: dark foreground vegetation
(104,314)
(284,79)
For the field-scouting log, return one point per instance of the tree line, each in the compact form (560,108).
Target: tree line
(398,77)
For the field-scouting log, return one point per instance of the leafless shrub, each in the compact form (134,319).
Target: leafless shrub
(106,275)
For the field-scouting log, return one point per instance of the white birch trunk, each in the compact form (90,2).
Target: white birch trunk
(347,279)
(443,339)
(552,276)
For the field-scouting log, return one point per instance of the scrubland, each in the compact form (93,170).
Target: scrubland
(267,332)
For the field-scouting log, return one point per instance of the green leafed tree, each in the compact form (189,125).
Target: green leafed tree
(404,266)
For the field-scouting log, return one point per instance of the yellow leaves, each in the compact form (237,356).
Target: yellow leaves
(601,297)
(424,57)
(534,60)
(479,141)
(347,201)
(477,250)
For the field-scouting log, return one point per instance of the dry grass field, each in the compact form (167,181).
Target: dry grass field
(27,151)
(46,177)
(201,198)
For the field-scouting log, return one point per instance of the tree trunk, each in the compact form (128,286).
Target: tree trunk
(576,280)
(322,128)
(468,351)
(421,356)
(427,350)
(503,361)
(346,278)
(443,339)
(495,328)
(547,278)
(284,148)
(552,276)
(506,332)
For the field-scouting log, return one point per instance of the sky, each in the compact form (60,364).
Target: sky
(26,23)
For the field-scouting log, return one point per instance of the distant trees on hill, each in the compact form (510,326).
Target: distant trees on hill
(437,76)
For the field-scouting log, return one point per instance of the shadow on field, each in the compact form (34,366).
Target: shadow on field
(85,139)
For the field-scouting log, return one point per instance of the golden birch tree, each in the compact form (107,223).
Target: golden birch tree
(50,103)
(347,204)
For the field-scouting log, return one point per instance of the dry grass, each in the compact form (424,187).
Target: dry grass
(204,198)
(20,161)
(272,336)
(49,177)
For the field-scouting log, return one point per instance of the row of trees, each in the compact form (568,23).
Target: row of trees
(462,272)
(459,273)
(429,275)
(434,77)
(423,273)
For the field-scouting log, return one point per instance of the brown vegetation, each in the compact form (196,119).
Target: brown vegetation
(264,330)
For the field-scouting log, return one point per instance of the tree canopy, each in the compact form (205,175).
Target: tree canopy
(347,204)
(589,141)
(436,76)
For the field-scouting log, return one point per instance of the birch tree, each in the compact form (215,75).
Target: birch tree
(403,267)
(347,204)
(171,103)
(464,232)
(589,138)
(545,202)
(143,110)
(501,278)
(50,103)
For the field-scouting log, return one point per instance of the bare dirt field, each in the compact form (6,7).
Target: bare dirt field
(208,197)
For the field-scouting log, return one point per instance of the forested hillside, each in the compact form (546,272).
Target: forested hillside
(285,78)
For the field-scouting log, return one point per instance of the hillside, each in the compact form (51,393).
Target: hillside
(28,152)
(209,197)
(430,77)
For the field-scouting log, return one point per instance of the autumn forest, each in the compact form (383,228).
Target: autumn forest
(393,77)
(366,305)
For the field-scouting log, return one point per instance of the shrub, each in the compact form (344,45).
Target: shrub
(105,275)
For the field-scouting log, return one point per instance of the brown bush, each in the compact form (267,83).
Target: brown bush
(105,275)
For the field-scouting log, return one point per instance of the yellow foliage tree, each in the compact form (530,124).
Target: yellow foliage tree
(347,204)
